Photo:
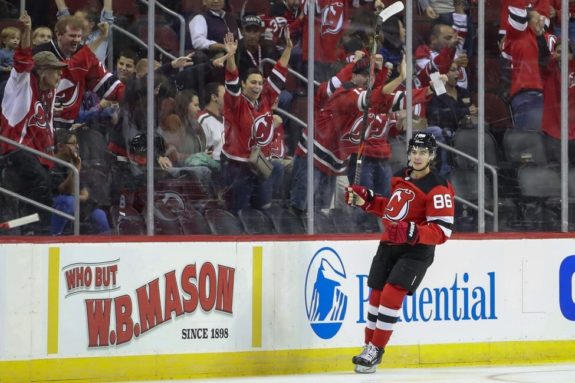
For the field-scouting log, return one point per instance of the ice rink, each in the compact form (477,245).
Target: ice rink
(547,373)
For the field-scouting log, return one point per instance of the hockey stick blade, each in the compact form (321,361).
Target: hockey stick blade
(20,221)
(391,10)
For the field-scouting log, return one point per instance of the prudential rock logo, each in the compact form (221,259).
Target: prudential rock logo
(325,300)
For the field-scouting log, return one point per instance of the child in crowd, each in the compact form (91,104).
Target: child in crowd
(10,40)
(63,189)
(41,35)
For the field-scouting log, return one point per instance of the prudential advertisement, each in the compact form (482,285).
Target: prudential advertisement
(469,294)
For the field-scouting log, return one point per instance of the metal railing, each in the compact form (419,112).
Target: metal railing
(290,70)
(182,43)
(141,42)
(495,186)
(76,174)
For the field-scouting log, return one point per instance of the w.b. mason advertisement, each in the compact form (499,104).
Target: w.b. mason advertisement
(146,298)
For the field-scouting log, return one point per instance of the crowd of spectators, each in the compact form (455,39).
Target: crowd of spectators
(220,109)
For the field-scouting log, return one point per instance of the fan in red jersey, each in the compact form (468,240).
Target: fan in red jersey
(417,217)
(26,118)
(248,120)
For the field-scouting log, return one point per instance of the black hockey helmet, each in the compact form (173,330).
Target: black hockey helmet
(423,140)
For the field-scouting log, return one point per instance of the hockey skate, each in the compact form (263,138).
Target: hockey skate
(354,358)
(367,361)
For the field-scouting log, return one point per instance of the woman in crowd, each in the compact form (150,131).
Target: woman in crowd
(248,120)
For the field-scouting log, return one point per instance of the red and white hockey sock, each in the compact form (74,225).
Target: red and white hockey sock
(388,313)
(374,297)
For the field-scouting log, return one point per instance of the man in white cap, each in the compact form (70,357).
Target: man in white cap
(27,109)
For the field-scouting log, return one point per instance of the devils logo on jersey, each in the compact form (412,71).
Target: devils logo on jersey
(398,205)
(332,17)
(377,128)
(39,118)
(262,129)
(67,93)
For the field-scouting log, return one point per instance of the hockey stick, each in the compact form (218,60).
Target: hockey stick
(20,221)
(384,15)
(392,10)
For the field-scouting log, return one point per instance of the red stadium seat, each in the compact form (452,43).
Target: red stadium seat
(165,36)
(191,7)
(11,23)
(254,7)
(76,5)
(125,8)
(497,113)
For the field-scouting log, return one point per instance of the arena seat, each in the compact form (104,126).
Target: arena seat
(344,220)
(255,221)
(193,223)
(127,221)
(285,221)
(323,224)
(165,36)
(191,7)
(524,147)
(571,194)
(498,113)
(253,7)
(539,181)
(91,5)
(398,158)
(165,221)
(540,200)
(126,8)
(464,182)
(571,183)
(190,185)
(492,75)
(10,23)
(465,140)
(369,223)
(222,222)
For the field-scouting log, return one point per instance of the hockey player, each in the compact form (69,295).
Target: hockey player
(417,216)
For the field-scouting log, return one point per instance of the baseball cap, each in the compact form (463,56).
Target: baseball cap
(252,21)
(361,66)
(47,59)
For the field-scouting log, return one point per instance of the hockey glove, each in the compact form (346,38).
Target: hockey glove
(357,195)
(402,232)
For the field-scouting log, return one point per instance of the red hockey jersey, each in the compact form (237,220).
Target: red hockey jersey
(280,18)
(246,123)
(520,46)
(26,110)
(428,60)
(331,21)
(428,201)
(339,119)
(333,122)
(84,72)
(541,6)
